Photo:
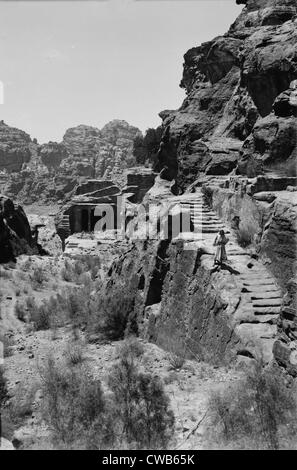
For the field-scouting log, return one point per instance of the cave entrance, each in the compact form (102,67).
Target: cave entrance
(84,220)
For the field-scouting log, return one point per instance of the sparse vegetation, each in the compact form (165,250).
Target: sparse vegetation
(134,414)
(207,195)
(74,353)
(143,408)
(3,388)
(110,316)
(85,267)
(38,276)
(245,235)
(7,344)
(21,405)
(75,407)
(258,412)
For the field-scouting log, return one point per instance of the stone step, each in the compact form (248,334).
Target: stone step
(267,302)
(208,224)
(206,219)
(263,284)
(266,295)
(246,277)
(267,310)
(250,318)
(260,289)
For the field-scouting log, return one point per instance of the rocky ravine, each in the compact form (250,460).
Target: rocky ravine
(46,173)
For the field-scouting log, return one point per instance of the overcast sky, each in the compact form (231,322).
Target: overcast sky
(87,62)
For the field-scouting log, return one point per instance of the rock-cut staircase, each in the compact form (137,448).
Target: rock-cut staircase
(260,297)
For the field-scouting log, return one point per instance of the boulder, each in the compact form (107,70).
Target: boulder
(15,231)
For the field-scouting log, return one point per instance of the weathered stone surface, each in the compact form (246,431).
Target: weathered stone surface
(285,104)
(48,173)
(272,145)
(14,148)
(230,82)
(101,153)
(15,231)
(52,154)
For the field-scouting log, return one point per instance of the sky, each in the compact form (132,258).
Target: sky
(65,63)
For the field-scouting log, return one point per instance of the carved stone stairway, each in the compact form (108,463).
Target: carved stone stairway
(260,297)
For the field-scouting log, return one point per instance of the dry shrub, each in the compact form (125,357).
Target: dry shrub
(21,405)
(75,407)
(76,271)
(259,412)
(176,350)
(3,388)
(146,420)
(109,314)
(245,235)
(38,276)
(135,413)
(7,344)
(74,353)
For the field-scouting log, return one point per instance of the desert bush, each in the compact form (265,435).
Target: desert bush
(176,351)
(245,236)
(74,354)
(25,265)
(38,276)
(207,195)
(7,344)
(20,310)
(17,291)
(3,388)
(5,273)
(131,347)
(21,405)
(258,412)
(67,272)
(143,408)
(176,361)
(77,271)
(109,314)
(75,406)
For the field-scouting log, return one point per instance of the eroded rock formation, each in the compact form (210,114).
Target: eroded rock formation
(238,88)
(15,231)
(47,173)
(14,148)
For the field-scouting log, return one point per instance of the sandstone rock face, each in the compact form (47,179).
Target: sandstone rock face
(15,231)
(101,153)
(52,154)
(176,299)
(14,148)
(285,348)
(272,145)
(48,173)
(232,82)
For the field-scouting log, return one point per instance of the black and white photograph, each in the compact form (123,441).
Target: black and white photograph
(148,229)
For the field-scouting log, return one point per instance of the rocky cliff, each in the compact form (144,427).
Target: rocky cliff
(14,148)
(234,136)
(46,173)
(239,107)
